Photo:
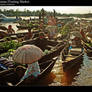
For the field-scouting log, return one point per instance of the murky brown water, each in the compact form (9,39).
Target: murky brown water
(57,77)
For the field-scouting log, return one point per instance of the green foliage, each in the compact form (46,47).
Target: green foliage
(65,29)
(30,24)
(11,45)
(46,51)
(59,29)
(5,46)
(6,54)
(26,12)
(89,44)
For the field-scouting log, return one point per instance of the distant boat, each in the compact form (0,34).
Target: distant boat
(6,19)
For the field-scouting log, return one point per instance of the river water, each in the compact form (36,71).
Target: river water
(57,77)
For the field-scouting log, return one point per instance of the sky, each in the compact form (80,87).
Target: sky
(59,9)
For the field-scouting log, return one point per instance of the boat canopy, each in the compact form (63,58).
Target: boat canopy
(2,16)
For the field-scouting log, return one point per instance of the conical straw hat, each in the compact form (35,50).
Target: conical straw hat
(27,54)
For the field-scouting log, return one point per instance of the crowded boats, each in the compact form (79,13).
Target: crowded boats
(28,57)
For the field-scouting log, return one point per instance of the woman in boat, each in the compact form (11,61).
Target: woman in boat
(10,30)
(33,69)
(29,54)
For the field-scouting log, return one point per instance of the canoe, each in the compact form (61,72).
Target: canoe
(3,34)
(46,64)
(88,49)
(22,27)
(3,27)
(25,27)
(19,35)
(54,52)
(71,58)
(14,75)
(41,43)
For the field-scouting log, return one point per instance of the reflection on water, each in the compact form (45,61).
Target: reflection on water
(58,72)
(59,78)
(68,76)
(85,73)
(79,75)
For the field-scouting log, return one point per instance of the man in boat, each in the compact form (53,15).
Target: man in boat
(33,54)
(10,30)
(41,41)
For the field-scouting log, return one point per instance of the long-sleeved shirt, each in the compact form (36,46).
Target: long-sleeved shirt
(33,69)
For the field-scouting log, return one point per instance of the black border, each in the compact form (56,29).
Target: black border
(53,3)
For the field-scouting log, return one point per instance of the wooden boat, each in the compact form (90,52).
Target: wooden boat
(14,75)
(3,34)
(88,49)
(22,27)
(54,52)
(25,27)
(46,65)
(6,19)
(71,58)
(19,35)
(3,27)
(43,43)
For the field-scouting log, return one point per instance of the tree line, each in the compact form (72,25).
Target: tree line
(17,12)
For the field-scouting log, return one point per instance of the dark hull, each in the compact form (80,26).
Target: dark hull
(22,27)
(3,28)
(56,52)
(25,27)
(3,34)
(35,81)
(88,49)
(72,63)
(12,75)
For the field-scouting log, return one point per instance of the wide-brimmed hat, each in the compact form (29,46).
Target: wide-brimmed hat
(27,54)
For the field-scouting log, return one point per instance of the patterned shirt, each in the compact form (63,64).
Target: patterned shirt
(33,69)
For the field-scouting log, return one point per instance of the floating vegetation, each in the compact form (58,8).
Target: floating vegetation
(7,47)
